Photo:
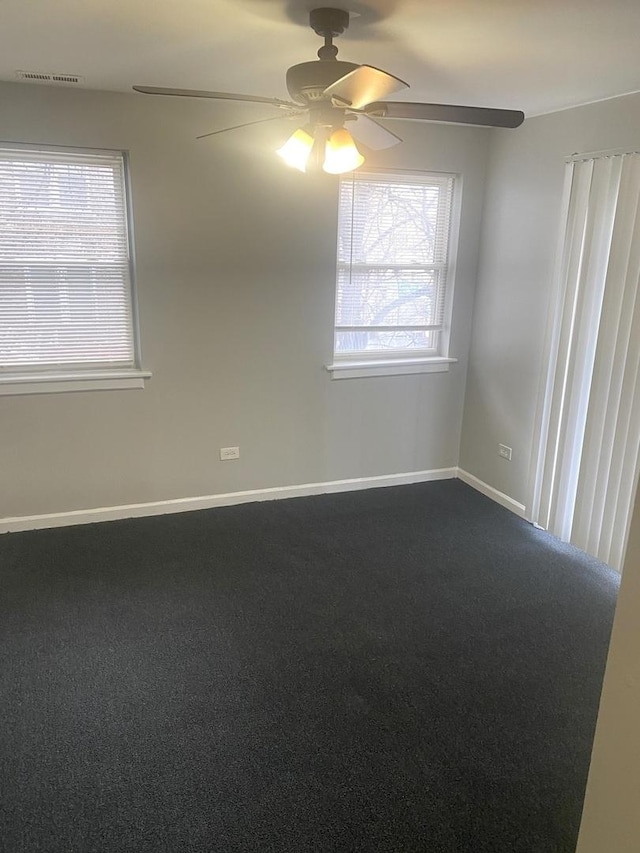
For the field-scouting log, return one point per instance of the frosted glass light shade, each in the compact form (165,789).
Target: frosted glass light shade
(341,154)
(296,150)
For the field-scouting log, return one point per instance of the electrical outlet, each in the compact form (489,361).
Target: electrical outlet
(505,452)
(227,453)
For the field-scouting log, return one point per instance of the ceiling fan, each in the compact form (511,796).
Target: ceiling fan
(330,93)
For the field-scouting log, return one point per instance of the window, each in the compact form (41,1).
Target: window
(67,316)
(394,276)
(589,414)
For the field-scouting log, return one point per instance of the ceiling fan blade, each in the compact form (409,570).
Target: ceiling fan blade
(451,113)
(363,85)
(220,96)
(372,134)
(244,124)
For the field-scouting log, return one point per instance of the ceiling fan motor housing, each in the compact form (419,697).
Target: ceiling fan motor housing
(307,81)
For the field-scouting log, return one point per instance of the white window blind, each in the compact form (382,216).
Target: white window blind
(590,439)
(65,266)
(393,254)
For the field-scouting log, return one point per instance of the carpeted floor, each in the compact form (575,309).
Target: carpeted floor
(404,669)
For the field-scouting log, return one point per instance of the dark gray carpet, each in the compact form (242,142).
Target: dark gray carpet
(404,669)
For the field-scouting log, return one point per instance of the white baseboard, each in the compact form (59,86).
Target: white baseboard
(113,513)
(499,497)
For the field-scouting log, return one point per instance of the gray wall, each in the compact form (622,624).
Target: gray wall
(519,242)
(611,818)
(236,272)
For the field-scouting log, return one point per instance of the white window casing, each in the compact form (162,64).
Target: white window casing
(397,235)
(67,308)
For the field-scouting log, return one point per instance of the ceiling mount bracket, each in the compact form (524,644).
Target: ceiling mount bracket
(328,23)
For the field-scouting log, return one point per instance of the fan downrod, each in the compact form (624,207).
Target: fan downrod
(328,23)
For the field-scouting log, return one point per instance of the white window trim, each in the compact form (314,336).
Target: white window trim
(348,369)
(56,380)
(413,362)
(86,380)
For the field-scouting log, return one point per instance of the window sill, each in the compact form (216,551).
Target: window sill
(389,367)
(50,383)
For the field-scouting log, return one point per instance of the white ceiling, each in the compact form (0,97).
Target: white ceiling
(536,56)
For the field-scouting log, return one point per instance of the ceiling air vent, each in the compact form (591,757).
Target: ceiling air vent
(44,77)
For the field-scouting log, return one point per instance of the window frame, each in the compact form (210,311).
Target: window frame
(93,376)
(409,361)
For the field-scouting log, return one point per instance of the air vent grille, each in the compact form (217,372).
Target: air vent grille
(45,77)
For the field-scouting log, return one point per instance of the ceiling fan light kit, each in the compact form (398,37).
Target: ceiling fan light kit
(331,91)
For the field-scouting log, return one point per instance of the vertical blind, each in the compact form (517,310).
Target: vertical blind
(588,462)
(65,272)
(393,247)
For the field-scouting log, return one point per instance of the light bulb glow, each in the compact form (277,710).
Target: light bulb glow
(341,154)
(296,150)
